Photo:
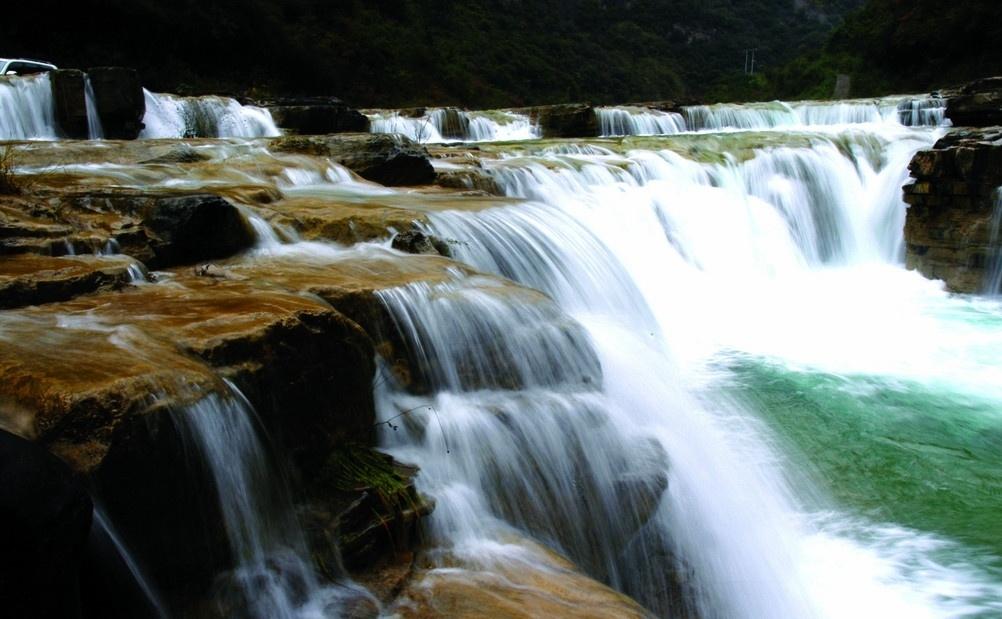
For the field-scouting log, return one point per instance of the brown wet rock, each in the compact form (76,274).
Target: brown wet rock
(30,279)
(417,242)
(539,583)
(390,160)
(160,229)
(569,120)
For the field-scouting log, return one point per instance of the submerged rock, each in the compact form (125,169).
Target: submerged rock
(390,160)
(948,226)
(530,582)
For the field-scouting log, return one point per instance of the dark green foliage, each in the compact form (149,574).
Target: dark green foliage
(899,46)
(408,52)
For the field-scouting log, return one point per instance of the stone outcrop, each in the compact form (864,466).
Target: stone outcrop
(31,279)
(386,159)
(161,230)
(119,99)
(571,120)
(977,104)
(951,203)
(316,116)
(70,101)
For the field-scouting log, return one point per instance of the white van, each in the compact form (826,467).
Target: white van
(19,66)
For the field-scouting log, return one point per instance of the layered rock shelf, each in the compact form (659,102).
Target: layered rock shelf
(133,291)
(948,229)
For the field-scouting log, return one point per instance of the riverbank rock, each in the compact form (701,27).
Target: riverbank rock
(977,104)
(70,101)
(120,102)
(951,204)
(316,116)
(390,160)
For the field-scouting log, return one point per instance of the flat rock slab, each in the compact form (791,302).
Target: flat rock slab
(31,279)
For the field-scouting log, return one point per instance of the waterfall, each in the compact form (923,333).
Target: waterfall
(616,121)
(899,110)
(450,125)
(101,522)
(642,252)
(94,129)
(27,110)
(170,116)
(273,577)
(993,272)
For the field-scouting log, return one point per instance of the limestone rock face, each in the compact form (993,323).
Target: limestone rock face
(68,94)
(121,105)
(390,160)
(951,202)
(978,104)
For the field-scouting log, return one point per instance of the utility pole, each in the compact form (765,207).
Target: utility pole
(750,61)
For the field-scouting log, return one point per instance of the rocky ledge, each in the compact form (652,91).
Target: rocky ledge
(977,104)
(948,228)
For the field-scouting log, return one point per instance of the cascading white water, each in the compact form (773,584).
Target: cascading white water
(644,251)
(27,110)
(444,125)
(170,116)
(94,129)
(273,577)
(102,522)
(993,270)
(616,121)
(909,111)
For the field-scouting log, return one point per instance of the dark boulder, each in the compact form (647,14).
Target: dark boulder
(119,99)
(390,160)
(317,116)
(192,228)
(70,100)
(160,230)
(454,125)
(417,242)
(977,104)
(571,120)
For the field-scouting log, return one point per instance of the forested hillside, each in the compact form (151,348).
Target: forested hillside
(403,52)
(897,46)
